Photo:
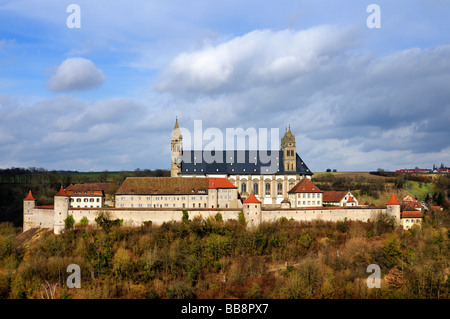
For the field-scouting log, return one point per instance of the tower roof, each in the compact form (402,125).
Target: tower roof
(251,199)
(215,182)
(176,123)
(393,200)
(61,192)
(29,196)
(287,138)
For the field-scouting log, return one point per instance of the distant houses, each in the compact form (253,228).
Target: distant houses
(342,199)
(435,170)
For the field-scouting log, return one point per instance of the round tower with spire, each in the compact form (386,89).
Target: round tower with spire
(393,208)
(252,211)
(29,203)
(61,211)
(176,150)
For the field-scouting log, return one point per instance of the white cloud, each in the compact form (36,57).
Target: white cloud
(321,83)
(261,57)
(76,74)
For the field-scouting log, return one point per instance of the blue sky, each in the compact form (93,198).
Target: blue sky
(105,96)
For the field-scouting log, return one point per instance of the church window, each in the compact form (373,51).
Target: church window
(255,188)
(267,188)
(280,189)
(243,188)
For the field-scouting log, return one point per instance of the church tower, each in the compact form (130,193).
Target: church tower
(289,151)
(176,150)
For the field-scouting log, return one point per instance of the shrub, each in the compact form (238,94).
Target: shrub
(69,222)
(241,218)
(218,217)
(180,290)
(185,217)
(84,221)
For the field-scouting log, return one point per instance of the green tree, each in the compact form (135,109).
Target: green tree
(185,217)
(69,222)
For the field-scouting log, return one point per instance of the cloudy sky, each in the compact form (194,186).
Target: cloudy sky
(105,96)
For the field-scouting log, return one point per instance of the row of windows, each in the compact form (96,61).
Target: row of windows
(165,198)
(83,192)
(309,195)
(166,205)
(309,202)
(413,220)
(86,200)
(183,198)
(255,189)
(91,206)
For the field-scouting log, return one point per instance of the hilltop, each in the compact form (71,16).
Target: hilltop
(215,259)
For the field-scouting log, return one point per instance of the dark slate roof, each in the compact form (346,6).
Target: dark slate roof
(238,163)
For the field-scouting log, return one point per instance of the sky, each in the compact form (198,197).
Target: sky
(104,95)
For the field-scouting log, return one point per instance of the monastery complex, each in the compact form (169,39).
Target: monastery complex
(240,181)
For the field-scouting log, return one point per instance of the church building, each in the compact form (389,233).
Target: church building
(246,169)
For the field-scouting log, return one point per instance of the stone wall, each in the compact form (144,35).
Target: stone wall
(39,218)
(326,214)
(136,217)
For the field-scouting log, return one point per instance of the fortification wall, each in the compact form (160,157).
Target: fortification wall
(136,217)
(44,218)
(40,218)
(361,214)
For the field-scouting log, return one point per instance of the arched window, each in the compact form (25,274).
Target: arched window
(280,189)
(255,188)
(267,188)
(243,188)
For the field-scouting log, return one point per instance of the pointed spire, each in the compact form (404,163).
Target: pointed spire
(176,123)
(393,200)
(62,192)
(251,199)
(29,197)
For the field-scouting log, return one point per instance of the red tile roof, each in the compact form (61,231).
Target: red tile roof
(61,192)
(217,182)
(251,199)
(305,186)
(410,212)
(333,196)
(163,185)
(88,187)
(393,200)
(29,197)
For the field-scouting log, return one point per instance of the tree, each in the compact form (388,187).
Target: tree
(69,222)
(185,217)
